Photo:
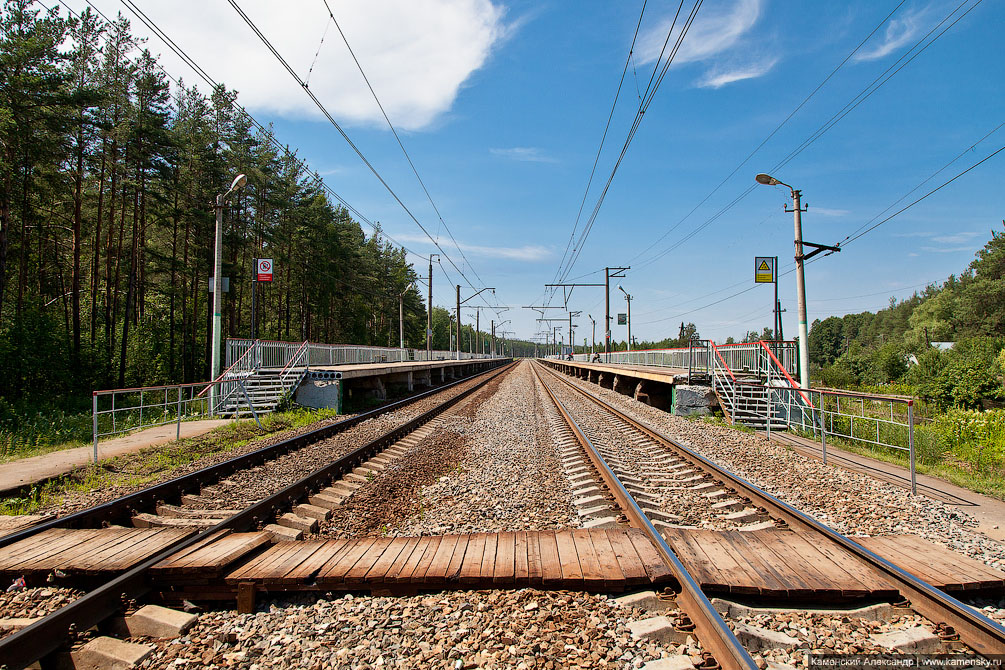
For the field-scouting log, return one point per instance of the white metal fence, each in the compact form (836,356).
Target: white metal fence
(117,411)
(255,354)
(745,357)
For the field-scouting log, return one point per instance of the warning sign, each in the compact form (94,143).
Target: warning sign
(764,269)
(264,269)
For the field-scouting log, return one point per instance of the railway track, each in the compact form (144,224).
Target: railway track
(200,508)
(650,470)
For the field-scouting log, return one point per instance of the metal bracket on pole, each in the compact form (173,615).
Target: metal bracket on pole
(240,383)
(817,248)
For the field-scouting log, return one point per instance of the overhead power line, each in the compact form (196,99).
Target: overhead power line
(603,138)
(916,49)
(775,131)
(394,132)
(267,133)
(331,119)
(661,67)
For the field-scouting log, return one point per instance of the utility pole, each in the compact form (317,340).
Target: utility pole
(492,350)
(401,315)
(593,339)
(572,341)
(609,273)
(459,303)
(797,210)
(628,316)
(429,313)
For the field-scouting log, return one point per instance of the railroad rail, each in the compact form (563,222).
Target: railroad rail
(981,634)
(53,631)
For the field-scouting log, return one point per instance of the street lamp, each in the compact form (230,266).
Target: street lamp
(401,314)
(239,182)
(628,316)
(797,210)
(593,344)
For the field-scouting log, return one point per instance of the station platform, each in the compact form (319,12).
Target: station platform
(659,387)
(322,384)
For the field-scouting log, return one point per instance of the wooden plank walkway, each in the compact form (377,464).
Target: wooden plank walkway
(592,560)
(85,551)
(786,564)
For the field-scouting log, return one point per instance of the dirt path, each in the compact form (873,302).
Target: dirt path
(36,468)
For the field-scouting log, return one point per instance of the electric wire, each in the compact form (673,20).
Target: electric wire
(394,132)
(661,67)
(773,132)
(331,119)
(858,99)
(266,132)
(603,138)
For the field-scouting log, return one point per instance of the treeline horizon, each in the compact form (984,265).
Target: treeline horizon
(108,180)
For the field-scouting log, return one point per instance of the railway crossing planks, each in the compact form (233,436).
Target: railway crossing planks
(596,560)
(85,551)
(787,564)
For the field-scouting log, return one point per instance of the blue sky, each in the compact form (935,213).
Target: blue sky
(501,106)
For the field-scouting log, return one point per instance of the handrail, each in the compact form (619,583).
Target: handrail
(293,358)
(907,400)
(715,348)
(253,346)
(792,382)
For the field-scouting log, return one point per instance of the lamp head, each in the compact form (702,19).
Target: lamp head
(767,180)
(239,182)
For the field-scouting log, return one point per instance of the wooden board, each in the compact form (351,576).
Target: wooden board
(598,560)
(213,555)
(937,565)
(85,551)
(787,564)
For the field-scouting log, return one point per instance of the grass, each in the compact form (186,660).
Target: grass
(943,465)
(156,463)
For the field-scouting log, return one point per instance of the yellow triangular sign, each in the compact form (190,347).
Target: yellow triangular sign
(764,267)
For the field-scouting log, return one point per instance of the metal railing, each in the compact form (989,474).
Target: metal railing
(276,354)
(741,357)
(117,411)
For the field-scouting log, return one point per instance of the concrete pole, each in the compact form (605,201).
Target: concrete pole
(804,351)
(458,322)
(478,320)
(214,354)
(607,314)
(401,320)
(493,350)
(629,319)
(593,339)
(572,342)
(429,314)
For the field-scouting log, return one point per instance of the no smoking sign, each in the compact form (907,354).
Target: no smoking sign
(264,269)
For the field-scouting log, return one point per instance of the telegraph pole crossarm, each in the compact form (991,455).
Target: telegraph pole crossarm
(817,248)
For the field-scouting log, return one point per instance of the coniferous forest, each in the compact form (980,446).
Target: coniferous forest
(108,178)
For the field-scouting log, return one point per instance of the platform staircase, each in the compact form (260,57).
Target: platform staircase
(757,395)
(248,387)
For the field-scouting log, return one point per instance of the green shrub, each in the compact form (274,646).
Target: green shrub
(975,437)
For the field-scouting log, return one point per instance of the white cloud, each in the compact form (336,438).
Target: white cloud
(417,54)
(716,37)
(527,154)
(528,253)
(712,32)
(946,250)
(716,78)
(956,238)
(898,33)
(826,211)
